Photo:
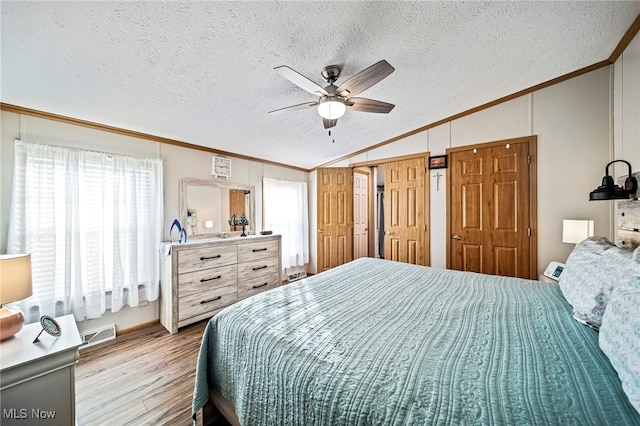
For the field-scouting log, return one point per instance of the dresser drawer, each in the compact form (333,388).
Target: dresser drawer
(205,279)
(206,257)
(257,285)
(257,250)
(196,304)
(257,268)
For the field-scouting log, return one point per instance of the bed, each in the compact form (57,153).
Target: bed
(376,342)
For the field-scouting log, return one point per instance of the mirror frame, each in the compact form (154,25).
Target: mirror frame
(186,182)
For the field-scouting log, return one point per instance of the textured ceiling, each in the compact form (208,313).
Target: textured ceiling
(202,72)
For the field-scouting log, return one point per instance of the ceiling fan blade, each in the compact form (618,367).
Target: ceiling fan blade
(365,79)
(329,123)
(294,108)
(300,80)
(369,105)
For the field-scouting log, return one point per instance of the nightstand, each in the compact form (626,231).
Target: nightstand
(546,279)
(37,380)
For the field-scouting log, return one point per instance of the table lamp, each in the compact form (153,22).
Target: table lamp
(15,284)
(576,231)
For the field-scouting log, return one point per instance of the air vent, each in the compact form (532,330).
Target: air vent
(94,337)
(295,276)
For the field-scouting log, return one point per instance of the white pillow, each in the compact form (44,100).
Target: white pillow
(620,335)
(585,278)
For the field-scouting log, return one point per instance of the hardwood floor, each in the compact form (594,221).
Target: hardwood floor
(145,377)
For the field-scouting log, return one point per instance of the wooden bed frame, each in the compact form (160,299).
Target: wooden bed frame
(219,405)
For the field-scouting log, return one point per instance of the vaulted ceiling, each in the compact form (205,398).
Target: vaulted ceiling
(203,72)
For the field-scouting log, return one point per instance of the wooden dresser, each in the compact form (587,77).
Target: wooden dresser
(201,277)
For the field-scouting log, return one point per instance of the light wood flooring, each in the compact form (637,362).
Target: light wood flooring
(145,377)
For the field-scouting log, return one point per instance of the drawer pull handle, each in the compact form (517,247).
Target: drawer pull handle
(261,285)
(211,257)
(204,280)
(259,267)
(262,249)
(202,302)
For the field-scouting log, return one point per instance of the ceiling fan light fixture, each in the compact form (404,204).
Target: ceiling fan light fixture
(331,108)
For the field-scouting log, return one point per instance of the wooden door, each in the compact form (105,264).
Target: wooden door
(491,209)
(405,211)
(360,214)
(335,217)
(236,204)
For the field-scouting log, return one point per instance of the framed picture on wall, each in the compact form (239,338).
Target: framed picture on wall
(221,167)
(438,162)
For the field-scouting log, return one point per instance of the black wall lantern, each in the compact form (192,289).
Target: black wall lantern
(610,191)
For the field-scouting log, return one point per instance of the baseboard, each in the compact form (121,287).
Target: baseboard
(138,327)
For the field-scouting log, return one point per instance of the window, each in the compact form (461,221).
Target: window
(92,222)
(286,212)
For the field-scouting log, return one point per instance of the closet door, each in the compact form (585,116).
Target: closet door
(405,211)
(360,214)
(335,217)
(491,209)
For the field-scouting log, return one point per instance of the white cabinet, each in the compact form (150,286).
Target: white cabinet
(201,277)
(37,380)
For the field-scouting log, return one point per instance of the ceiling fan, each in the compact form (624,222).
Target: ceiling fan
(334,100)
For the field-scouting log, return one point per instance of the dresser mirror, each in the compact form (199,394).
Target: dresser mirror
(207,207)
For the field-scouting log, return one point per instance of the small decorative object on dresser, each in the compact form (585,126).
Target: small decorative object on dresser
(200,278)
(180,233)
(50,326)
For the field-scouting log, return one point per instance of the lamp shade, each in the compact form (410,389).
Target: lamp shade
(15,284)
(15,277)
(331,108)
(576,231)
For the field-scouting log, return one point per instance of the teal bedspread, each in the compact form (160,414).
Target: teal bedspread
(376,342)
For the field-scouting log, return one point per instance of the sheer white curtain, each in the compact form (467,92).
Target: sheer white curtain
(92,222)
(286,212)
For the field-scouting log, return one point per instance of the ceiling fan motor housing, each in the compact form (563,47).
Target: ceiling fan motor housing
(331,73)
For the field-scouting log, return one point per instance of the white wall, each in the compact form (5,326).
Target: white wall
(571,158)
(178,163)
(627,105)
(573,125)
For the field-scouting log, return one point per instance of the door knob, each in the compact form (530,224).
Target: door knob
(320,231)
(388,233)
(457,237)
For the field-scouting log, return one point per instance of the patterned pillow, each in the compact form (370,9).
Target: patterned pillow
(620,336)
(619,268)
(584,278)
